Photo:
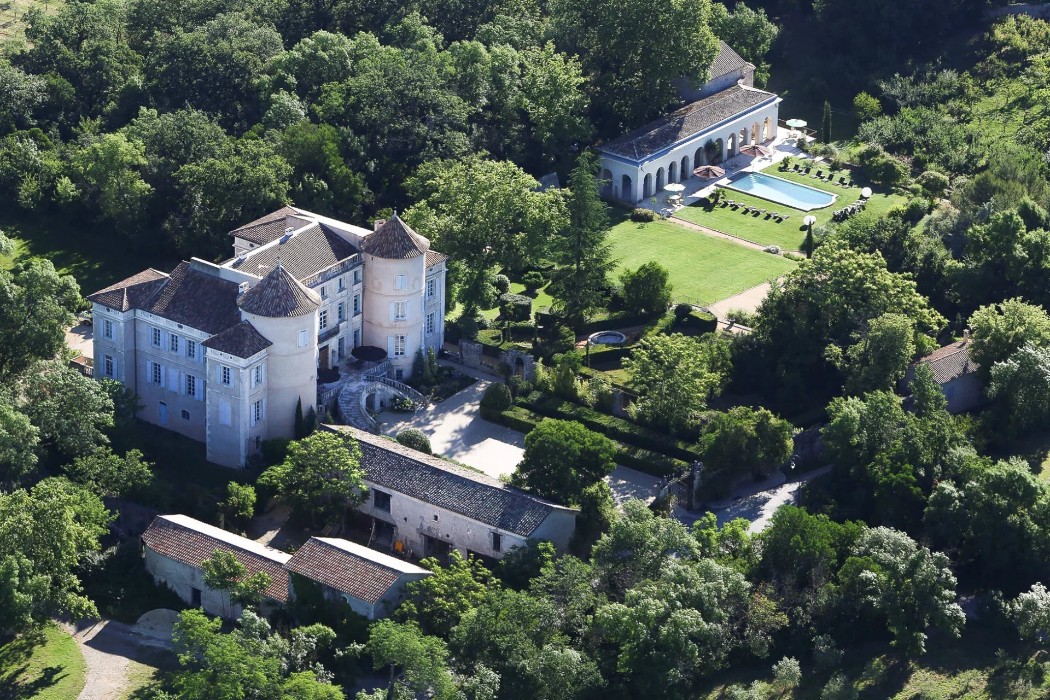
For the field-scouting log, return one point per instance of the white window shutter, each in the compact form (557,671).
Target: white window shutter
(390,346)
(173,378)
(149,371)
(392,311)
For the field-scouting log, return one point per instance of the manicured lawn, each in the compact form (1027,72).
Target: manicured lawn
(790,234)
(44,666)
(73,247)
(703,269)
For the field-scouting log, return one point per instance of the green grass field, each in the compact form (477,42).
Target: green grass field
(44,666)
(790,234)
(703,269)
(12,26)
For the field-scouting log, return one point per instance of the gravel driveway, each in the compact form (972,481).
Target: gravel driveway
(108,646)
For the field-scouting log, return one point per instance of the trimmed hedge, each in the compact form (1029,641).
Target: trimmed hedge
(647,461)
(616,321)
(618,429)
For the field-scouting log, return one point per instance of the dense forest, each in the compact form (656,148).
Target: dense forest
(165,124)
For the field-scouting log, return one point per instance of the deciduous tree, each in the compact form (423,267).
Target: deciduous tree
(562,459)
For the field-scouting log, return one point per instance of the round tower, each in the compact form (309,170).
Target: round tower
(395,271)
(284,311)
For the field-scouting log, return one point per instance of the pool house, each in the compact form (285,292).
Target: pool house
(711,130)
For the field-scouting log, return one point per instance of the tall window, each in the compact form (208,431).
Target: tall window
(324,291)
(157,374)
(357,275)
(191,349)
(357,304)
(399,346)
(257,412)
(399,282)
(430,323)
(302,339)
(323,319)
(107,329)
(381,500)
(156,337)
(225,375)
(191,385)
(257,375)
(342,284)
(173,342)
(431,287)
(400,310)
(497,542)
(107,365)
(341,311)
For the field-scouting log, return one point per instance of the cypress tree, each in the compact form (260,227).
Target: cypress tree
(300,423)
(825,127)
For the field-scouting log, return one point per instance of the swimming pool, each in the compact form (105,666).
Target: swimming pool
(786,192)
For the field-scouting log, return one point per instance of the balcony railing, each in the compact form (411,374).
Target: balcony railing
(328,333)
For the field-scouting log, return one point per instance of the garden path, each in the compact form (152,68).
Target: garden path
(108,647)
(457,431)
(748,300)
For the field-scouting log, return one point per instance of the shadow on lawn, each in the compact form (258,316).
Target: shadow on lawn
(14,663)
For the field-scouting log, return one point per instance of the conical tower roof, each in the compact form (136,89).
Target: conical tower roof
(278,295)
(395,240)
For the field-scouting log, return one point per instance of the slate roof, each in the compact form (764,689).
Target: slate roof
(191,542)
(727,61)
(950,362)
(395,240)
(131,292)
(241,341)
(197,299)
(434,257)
(270,227)
(686,121)
(350,568)
(303,254)
(278,295)
(391,465)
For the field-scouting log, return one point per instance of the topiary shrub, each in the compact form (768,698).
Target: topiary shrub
(416,439)
(681,311)
(533,279)
(933,183)
(501,283)
(495,400)
(642,215)
(515,307)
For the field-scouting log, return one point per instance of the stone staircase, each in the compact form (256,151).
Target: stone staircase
(354,393)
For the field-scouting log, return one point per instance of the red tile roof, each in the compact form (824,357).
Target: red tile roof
(950,362)
(350,568)
(192,542)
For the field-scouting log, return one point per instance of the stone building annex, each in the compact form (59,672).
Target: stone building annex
(224,353)
(724,115)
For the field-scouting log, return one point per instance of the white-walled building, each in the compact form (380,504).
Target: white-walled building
(223,353)
(723,115)
(370,582)
(174,547)
(428,505)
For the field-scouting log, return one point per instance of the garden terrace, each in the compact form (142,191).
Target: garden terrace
(789,234)
(703,269)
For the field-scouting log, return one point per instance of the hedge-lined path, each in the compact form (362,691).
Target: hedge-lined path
(748,300)
(457,431)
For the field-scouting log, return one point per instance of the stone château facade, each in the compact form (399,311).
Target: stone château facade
(224,352)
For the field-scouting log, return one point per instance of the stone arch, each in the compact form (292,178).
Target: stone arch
(647,186)
(687,172)
(659,180)
(755,133)
(700,157)
(742,141)
(672,172)
(626,188)
(767,129)
(521,364)
(731,144)
(606,189)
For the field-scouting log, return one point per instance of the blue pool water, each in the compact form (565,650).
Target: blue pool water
(790,194)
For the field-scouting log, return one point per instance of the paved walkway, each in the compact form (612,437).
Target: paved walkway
(757,502)
(458,432)
(747,300)
(81,339)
